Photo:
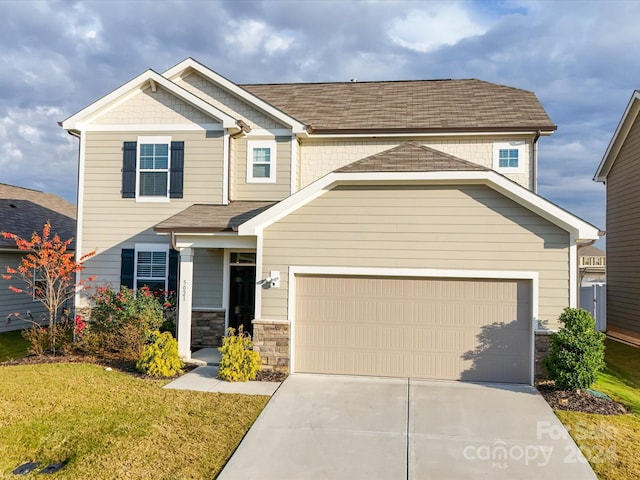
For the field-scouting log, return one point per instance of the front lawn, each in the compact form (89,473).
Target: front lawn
(12,346)
(107,424)
(611,443)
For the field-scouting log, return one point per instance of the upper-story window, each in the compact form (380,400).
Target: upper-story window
(508,157)
(153,169)
(261,161)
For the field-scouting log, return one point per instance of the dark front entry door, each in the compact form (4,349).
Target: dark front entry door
(242,293)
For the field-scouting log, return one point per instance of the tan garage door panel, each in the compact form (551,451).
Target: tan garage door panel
(454,329)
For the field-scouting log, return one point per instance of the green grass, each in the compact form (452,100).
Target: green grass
(111,425)
(12,346)
(611,443)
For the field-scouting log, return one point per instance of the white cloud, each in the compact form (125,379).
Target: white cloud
(434,25)
(253,36)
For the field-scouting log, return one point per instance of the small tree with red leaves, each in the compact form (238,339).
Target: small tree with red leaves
(48,273)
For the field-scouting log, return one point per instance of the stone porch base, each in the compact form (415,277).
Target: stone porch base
(207,328)
(271,341)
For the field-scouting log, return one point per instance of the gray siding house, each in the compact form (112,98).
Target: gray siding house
(24,211)
(372,228)
(620,172)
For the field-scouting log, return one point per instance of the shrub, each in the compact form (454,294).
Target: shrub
(160,358)
(239,362)
(49,339)
(121,322)
(577,351)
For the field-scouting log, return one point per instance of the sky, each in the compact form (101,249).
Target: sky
(579,57)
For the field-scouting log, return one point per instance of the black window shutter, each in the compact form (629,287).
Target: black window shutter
(126,267)
(176,180)
(129,154)
(174,257)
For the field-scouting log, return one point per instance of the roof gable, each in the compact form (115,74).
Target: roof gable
(235,89)
(410,157)
(408,106)
(619,137)
(148,79)
(446,174)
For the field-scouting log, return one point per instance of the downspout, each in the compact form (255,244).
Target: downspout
(534,167)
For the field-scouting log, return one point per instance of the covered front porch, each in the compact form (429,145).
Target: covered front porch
(218,279)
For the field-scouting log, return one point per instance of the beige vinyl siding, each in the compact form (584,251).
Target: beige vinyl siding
(228,103)
(11,302)
(623,232)
(207,278)
(111,223)
(262,191)
(159,107)
(434,227)
(319,157)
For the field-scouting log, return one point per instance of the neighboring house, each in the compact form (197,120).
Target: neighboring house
(592,263)
(620,171)
(375,228)
(24,211)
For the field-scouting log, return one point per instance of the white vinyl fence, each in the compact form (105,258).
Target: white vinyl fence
(594,299)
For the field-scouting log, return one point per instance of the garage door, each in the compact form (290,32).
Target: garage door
(453,329)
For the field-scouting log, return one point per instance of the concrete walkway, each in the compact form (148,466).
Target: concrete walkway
(204,378)
(340,427)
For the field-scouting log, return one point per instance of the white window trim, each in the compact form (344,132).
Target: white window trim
(518,145)
(150,247)
(147,140)
(251,145)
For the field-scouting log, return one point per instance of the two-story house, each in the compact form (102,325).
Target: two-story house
(374,228)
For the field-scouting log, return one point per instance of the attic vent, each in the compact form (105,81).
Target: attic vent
(12,205)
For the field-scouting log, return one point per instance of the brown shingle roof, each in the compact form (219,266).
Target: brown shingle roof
(420,105)
(410,157)
(590,251)
(46,200)
(201,218)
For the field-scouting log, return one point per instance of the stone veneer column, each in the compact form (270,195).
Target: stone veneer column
(542,344)
(271,341)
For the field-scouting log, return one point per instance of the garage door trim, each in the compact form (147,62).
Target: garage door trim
(416,273)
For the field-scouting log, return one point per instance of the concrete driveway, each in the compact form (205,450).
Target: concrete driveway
(341,427)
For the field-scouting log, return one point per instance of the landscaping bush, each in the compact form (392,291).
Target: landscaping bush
(239,362)
(121,322)
(49,339)
(577,351)
(160,358)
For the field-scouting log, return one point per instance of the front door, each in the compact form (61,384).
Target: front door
(242,293)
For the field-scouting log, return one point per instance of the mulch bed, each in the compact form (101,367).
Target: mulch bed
(126,366)
(271,376)
(582,401)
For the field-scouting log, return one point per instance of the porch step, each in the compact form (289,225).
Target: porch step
(206,356)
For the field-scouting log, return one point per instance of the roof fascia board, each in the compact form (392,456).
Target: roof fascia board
(543,131)
(134,86)
(517,193)
(178,69)
(431,133)
(619,136)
